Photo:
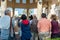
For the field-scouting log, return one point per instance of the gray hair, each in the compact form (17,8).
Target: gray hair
(7,11)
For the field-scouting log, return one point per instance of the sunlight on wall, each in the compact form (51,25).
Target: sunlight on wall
(44,11)
(52,11)
(39,10)
(3,7)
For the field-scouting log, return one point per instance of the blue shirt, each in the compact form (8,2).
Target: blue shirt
(26,33)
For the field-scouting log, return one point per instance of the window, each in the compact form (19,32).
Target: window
(31,1)
(19,11)
(17,1)
(24,1)
(10,0)
(31,11)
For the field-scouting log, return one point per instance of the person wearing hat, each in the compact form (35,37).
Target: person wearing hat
(5,25)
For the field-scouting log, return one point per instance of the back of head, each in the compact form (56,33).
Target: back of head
(54,17)
(34,17)
(43,15)
(23,17)
(7,12)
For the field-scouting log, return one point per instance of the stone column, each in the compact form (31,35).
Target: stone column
(39,10)
(3,6)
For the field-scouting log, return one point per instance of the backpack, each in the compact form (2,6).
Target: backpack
(34,25)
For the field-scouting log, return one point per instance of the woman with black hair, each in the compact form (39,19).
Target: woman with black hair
(25,27)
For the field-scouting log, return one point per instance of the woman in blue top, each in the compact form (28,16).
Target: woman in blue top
(25,27)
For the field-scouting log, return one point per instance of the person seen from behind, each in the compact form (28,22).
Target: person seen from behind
(5,25)
(44,27)
(55,27)
(25,28)
(34,29)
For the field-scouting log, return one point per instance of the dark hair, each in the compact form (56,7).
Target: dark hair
(31,17)
(23,17)
(54,17)
(43,15)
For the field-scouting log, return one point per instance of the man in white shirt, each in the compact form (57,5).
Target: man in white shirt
(5,25)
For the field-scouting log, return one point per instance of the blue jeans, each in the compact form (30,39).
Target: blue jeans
(4,34)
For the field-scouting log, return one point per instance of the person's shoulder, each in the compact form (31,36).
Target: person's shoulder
(5,16)
(39,21)
(48,20)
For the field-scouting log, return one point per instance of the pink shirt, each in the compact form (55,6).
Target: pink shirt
(44,25)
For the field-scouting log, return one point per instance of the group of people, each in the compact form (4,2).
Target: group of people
(28,29)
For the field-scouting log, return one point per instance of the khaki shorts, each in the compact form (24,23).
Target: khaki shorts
(43,35)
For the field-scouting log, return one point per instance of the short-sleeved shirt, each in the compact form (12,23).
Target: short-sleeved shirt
(44,25)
